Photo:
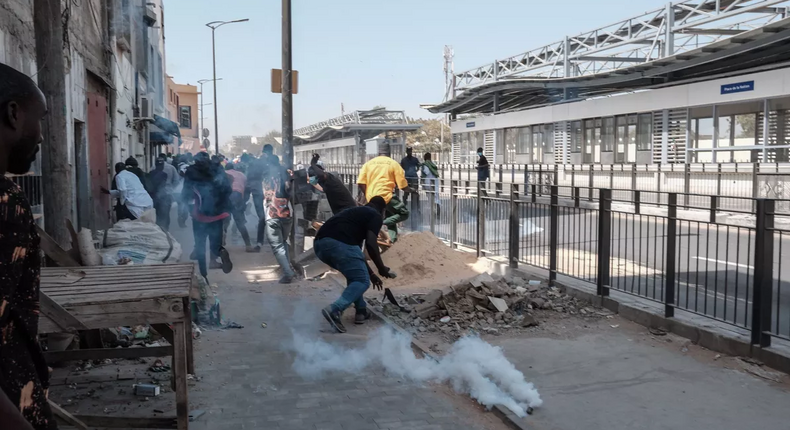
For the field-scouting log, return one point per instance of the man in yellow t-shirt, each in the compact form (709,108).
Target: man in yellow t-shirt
(379,177)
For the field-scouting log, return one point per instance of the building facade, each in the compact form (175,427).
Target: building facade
(708,84)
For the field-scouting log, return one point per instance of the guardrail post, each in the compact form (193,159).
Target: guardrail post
(513,228)
(670,258)
(591,183)
(755,185)
(534,192)
(481,221)
(611,176)
(432,197)
(453,215)
(714,206)
(637,201)
(762,295)
(633,176)
(686,184)
(604,240)
(553,234)
(576,195)
(718,180)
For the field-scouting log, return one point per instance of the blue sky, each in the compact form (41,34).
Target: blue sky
(361,53)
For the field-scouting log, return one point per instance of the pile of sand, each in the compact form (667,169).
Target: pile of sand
(423,262)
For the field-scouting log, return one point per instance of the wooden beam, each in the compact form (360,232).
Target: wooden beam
(66,416)
(61,317)
(102,353)
(128,422)
(55,251)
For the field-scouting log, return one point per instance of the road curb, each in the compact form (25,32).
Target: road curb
(506,415)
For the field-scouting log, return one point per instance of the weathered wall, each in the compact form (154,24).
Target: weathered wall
(17,37)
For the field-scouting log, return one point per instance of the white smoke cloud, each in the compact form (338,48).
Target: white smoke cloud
(472,366)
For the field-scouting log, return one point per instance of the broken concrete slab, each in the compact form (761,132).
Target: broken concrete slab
(498,303)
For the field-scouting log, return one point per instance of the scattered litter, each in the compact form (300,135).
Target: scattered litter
(159,366)
(158,411)
(615,325)
(533,282)
(498,303)
(263,325)
(232,324)
(445,320)
(718,356)
(146,390)
(195,414)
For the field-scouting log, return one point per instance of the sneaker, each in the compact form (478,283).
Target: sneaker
(333,318)
(251,249)
(257,248)
(287,279)
(227,265)
(362,316)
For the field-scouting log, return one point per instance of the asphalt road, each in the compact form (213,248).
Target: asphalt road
(714,263)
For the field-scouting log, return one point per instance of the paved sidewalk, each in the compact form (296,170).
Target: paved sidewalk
(247,379)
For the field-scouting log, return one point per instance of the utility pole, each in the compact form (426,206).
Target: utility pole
(214,65)
(287,90)
(56,177)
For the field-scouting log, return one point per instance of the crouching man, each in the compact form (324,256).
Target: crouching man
(338,244)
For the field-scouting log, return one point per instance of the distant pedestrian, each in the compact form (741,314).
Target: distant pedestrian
(483,168)
(24,376)
(163,200)
(338,244)
(430,178)
(237,203)
(208,188)
(411,166)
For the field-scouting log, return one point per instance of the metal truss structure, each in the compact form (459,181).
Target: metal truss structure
(648,38)
(375,116)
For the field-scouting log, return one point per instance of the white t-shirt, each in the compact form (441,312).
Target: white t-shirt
(132,193)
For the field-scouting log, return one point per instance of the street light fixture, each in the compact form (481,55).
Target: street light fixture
(213,25)
(201,82)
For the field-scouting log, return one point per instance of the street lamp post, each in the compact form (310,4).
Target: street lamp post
(201,82)
(213,26)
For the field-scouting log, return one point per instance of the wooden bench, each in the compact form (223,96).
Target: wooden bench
(84,298)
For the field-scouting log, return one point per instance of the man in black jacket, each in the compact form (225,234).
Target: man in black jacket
(338,244)
(338,196)
(208,188)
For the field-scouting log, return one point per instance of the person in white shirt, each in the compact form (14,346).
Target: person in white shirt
(134,199)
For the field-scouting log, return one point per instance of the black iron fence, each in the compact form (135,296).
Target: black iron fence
(665,251)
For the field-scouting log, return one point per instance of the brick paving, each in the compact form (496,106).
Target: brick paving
(247,380)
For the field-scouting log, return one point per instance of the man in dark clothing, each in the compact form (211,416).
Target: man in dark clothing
(338,196)
(163,200)
(411,165)
(338,244)
(24,376)
(255,170)
(208,187)
(133,166)
(483,168)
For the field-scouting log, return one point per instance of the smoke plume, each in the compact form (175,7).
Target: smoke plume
(472,366)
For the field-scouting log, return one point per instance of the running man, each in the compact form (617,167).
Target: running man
(338,244)
(378,177)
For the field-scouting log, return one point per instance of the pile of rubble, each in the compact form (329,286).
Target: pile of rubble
(485,304)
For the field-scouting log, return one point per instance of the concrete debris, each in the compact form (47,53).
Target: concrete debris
(498,303)
(486,304)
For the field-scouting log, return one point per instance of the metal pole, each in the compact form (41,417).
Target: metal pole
(200,120)
(214,61)
(288,155)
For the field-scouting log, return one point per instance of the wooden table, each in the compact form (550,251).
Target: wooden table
(83,298)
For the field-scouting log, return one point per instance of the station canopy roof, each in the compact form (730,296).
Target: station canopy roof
(731,47)
(366,123)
